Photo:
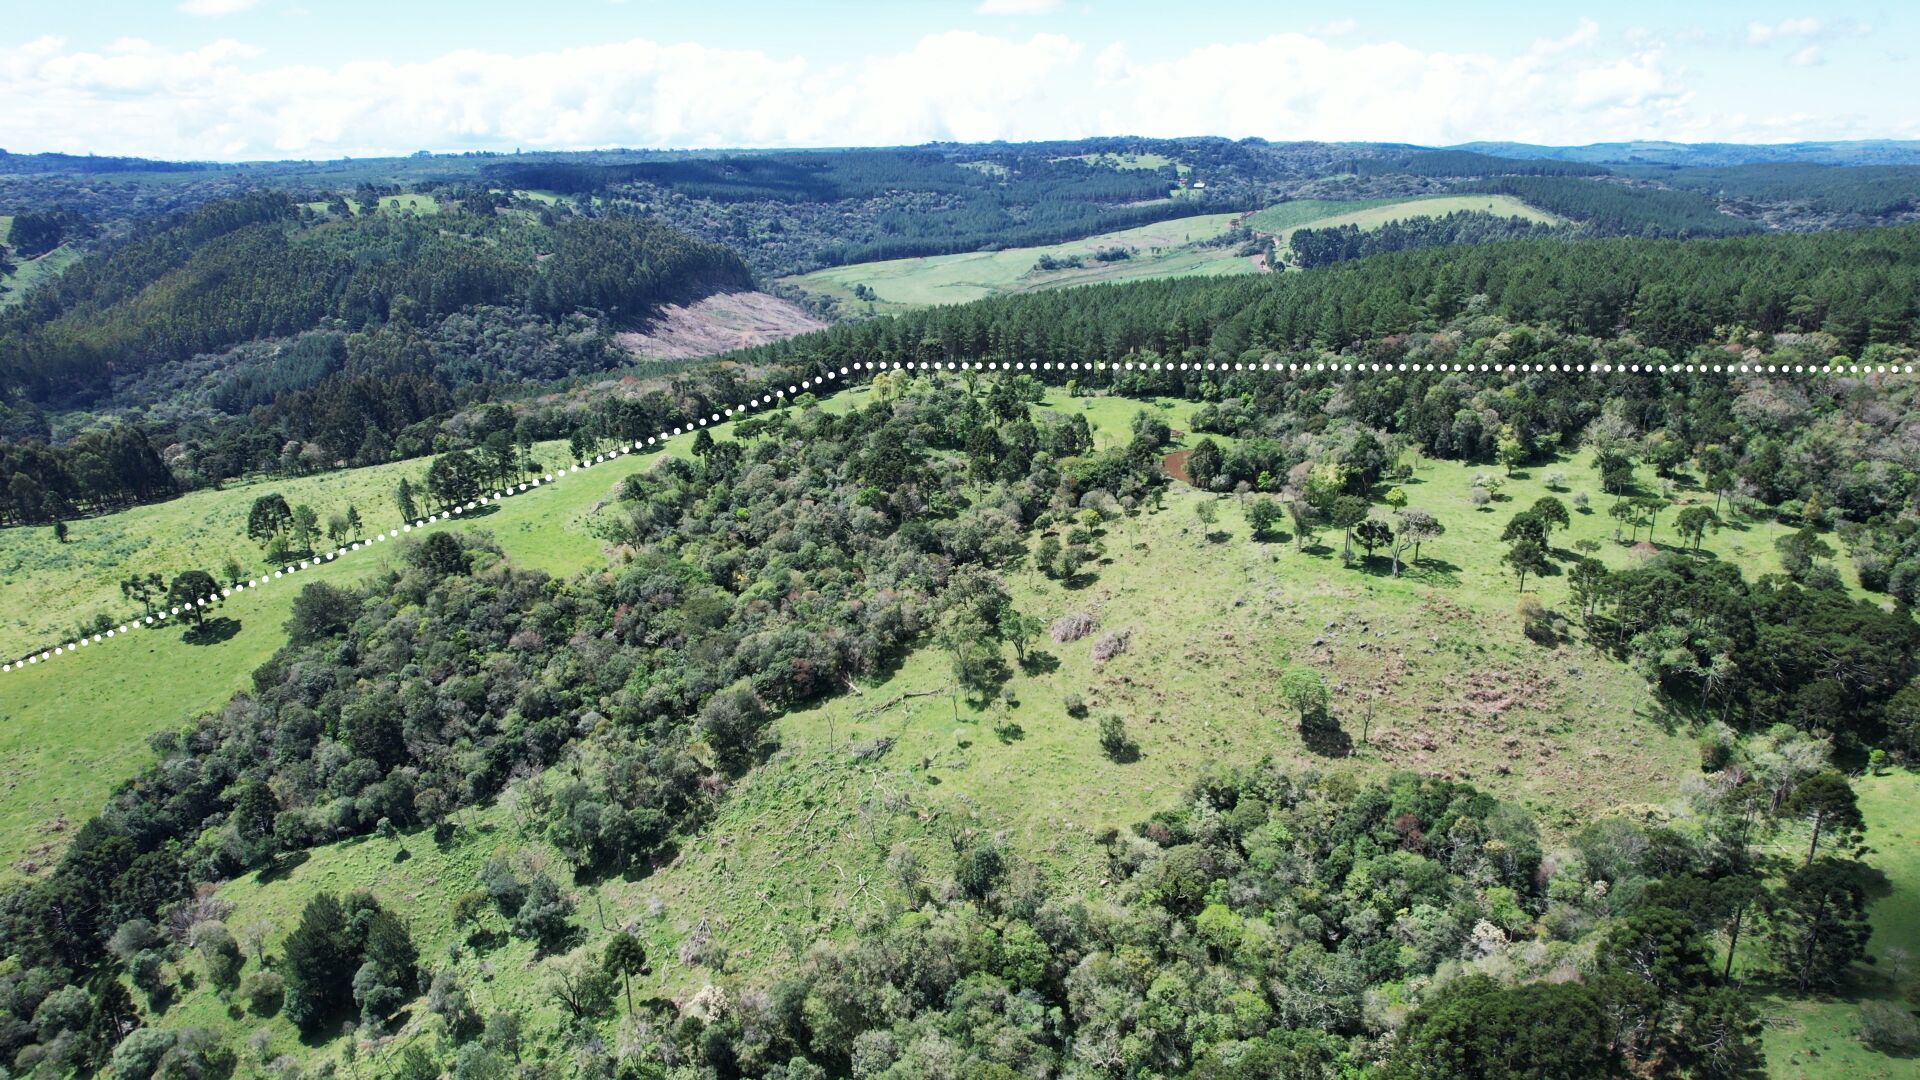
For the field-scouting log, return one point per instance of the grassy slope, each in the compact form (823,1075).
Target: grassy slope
(29,272)
(1131,161)
(1161,251)
(52,587)
(72,728)
(799,847)
(1283,219)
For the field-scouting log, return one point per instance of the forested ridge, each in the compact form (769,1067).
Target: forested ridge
(1315,247)
(1616,209)
(278,338)
(247,268)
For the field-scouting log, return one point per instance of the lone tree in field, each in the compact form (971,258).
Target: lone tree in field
(305,528)
(1616,471)
(1819,921)
(1420,527)
(1510,449)
(269,519)
(1650,508)
(143,587)
(1627,514)
(1019,630)
(1526,556)
(188,590)
(1306,691)
(1526,525)
(625,957)
(1263,514)
(1302,514)
(1826,802)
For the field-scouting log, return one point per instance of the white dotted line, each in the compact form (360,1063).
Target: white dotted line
(948,365)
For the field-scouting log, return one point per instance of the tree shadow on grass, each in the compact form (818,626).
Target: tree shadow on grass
(282,866)
(1432,571)
(212,631)
(1039,662)
(1325,738)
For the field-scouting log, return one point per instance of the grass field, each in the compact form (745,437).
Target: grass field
(29,272)
(1281,220)
(415,201)
(1131,161)
(1165,249)
(1160,250)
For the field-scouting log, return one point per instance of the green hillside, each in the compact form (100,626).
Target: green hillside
(1166,249)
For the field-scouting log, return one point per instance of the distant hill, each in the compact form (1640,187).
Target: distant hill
(1653,152)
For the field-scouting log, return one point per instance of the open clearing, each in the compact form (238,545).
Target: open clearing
(1281,220)
(29,272)
(717,324)
(1166,249)
(1163,249)
(1130,161)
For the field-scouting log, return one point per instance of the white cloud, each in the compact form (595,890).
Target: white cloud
(1807,57)
(206,8)
(1018,7)
(1759,33)
(1338,28)
(225,99)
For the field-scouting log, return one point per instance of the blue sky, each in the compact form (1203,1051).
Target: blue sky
(236,79)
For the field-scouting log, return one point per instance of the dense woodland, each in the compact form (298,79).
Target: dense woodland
(790,213)
(1616,209)
(1309,248)
(250,268)
(1859,195)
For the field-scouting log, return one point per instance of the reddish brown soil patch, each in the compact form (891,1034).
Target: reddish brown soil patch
(1175,465)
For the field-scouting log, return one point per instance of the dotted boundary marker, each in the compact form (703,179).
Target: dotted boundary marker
(779,397)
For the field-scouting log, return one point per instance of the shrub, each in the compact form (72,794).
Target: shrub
(1076,705)
(1115,741)
(262,992)
(1110,646)
(1072,626)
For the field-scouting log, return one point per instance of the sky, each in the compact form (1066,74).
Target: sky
(301,79)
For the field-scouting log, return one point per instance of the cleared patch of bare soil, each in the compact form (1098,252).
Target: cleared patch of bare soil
(717,324)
